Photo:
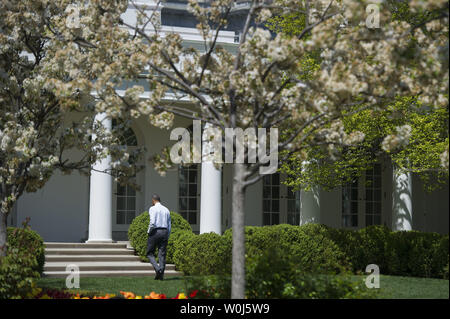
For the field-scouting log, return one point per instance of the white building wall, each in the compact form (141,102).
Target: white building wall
(59,211)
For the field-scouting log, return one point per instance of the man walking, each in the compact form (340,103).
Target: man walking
(158,235)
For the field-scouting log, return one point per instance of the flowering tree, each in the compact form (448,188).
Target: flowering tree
(37,101)
(419,145)
(261,84)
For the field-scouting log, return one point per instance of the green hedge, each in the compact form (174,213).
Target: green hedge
(322,249)
(316,248)
(405,253)
(413,253)
(203,254)
(23,263)
(28,241)
(137,234)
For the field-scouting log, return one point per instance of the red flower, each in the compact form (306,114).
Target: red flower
(193,294)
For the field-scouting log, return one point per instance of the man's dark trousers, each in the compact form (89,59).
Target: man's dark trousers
(158,238)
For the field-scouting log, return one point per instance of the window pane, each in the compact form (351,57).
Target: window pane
(131,191)
(192,204)
(354,207)
(192,218)
(378,195)
(121,190)
(120,218)
(130,217)
(346,221)
(369,208)
(377,169)
(193,176)
(275,206)
(275,192)
(183,204)
(183,189)
(290,194)
(183,175)
(193,190)
(377,182)
(266,219)
(266,192)
(183,214)
(354,193)
(369,194)
(369,220)
(131,203)
(291,206)
(276,179)
(275,219)
(121,203)
(354,220)
(377,208)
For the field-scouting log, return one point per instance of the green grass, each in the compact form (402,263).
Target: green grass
(395,287)
(391,287)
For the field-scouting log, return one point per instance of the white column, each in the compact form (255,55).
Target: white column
(402,200)
(309,203)
(309,206)
(211,192)
(100,200)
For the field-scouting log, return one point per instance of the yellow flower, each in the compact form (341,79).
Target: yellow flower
(182,296)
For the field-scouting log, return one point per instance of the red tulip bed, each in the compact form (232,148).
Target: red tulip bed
(39,293)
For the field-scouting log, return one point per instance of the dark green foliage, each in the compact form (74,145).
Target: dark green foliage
(137,234)
(28,241)
(418,254)
(205,254)
(314,249)
(410,253)
(22,264)
(275,274)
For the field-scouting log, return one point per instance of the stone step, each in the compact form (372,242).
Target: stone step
(84,245)
(102,266)
(113,273)
(88,251)
(93,258)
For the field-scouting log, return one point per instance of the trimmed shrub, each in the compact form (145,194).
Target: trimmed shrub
(275,274)
(137,234)
(17,274)
(22,264)
(28,241)
(414,253)
(313,249)
(205,254)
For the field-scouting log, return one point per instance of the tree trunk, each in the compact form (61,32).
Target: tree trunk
(238,261)
(3,238)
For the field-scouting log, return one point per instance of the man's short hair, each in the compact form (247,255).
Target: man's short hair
(156,197)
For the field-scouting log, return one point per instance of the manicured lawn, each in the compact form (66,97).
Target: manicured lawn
(394,287)
(390,286)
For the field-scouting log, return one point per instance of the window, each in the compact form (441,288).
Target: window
(373,196)
(271,199)
(293,206)
(350,205)
(125,195)
(126,205)
(188,200)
